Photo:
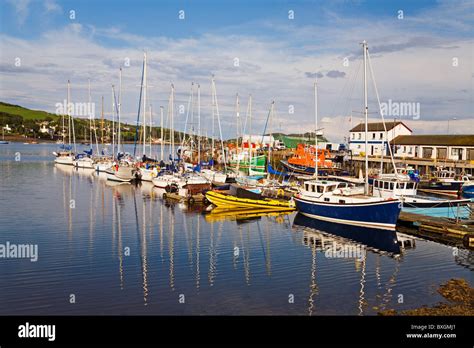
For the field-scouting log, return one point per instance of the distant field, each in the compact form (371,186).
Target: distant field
(27,114)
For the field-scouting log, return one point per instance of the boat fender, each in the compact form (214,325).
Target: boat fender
(280,193)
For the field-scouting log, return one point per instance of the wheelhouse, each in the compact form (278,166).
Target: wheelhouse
(394,186)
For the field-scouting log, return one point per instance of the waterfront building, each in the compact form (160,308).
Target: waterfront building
(377,138)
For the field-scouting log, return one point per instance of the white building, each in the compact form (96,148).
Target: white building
(377,138)
(435,147)
(258,140)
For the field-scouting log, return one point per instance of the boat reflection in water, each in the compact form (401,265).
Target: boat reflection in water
(244,215)
(381,240)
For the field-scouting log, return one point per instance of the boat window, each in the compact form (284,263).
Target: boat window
(306,187)
(391,186)
(326,199)
(341,201)
(385,185)
(410,185)
(320,189)
(376,183)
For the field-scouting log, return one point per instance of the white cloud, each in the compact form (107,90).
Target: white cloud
(411,66)
(51,6)
(21,9)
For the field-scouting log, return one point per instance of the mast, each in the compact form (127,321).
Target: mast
(250,132)
(69,111)
(213,128)
(192,122)
(151,125)
(219,124)
(113,123)
(172,123)
(366,109)
(272,110)
(144,102)
(199,124)
(161,126)
(102,121)
(316,158)
(90,115)
(119,111)
(237,114)
(66,112)
(73,132)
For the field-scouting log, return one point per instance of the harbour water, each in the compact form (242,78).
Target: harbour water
(120,249)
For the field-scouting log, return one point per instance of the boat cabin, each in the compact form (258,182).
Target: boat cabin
(392,188)
(325,187)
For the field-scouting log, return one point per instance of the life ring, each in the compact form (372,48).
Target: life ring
(191,200)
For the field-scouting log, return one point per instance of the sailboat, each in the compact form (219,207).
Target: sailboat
(148,166)
(65,155)
(85,160)
(216,177)
(329,201)
(123,169)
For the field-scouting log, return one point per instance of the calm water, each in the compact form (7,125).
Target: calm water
(221,264)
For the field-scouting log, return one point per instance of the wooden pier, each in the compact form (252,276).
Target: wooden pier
(439,229)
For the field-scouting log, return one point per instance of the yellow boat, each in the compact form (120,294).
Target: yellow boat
(220,214)
(227,201)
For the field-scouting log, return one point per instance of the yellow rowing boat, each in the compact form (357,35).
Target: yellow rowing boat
(227,201)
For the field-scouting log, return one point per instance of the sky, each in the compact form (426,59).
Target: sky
(421,55)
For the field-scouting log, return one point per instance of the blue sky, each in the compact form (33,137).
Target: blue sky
(279,58)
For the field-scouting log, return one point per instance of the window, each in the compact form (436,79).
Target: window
(306,187)
(320,189)
(409,150)
(373,135)
(341,201)
(405,149)
(410,185)
(391,186)
(381,135)
(353,136)
(358,146)
(385,185)
(326,199)
(360,136)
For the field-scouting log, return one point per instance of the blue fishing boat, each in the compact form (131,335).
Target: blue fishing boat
(339,202)
(342,202)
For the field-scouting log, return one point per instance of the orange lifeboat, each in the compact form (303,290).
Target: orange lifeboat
(304,157)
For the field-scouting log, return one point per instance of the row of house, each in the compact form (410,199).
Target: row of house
(406,145)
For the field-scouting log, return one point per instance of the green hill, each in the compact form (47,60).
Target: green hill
(27,114)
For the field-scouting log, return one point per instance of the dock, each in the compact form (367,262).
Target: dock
(436,228)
